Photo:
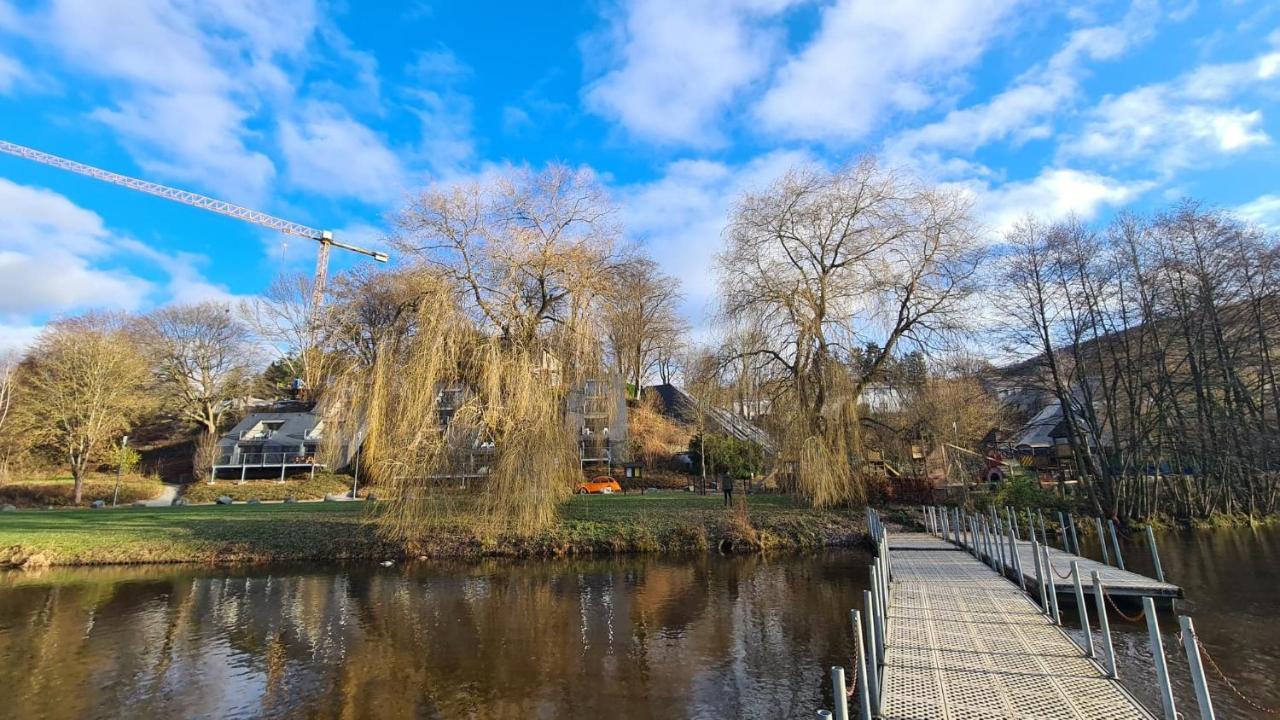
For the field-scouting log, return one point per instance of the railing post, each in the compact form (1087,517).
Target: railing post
(1062,532)
(1102,540)
(1013,519)
(1157,655)
(1044,599)
(1116,544)
(1075,539)
(878,613)
(839,692)
(1155,554)
(1192,645)
(1104,625)
(1084,609)
(1053,590)
(1017,561)
(872,673)
(1031,525)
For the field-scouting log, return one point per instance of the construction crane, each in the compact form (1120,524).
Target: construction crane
(324,237)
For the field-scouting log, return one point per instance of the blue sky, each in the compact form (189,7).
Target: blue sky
(328,113)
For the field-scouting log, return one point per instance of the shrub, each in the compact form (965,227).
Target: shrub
(727,455)
(303,489)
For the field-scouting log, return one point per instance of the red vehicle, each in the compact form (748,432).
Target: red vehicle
(599,485)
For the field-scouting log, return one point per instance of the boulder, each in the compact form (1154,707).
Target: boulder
(371,497)
(224,500)
(98,504)
(8,508)
(255,501)
(291,499)
(330,497)
(178,502)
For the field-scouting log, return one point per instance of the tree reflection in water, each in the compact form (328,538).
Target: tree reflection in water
(631,637)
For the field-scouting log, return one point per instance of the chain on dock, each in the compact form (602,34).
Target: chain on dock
(1204,655)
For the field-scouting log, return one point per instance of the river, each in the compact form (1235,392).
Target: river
(704,637)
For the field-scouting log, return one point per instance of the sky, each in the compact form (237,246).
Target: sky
(331,113)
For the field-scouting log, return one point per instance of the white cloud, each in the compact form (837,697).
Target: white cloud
(1022,111)
(1263,211)
(16,338)
(1181,123)
(676,64)
(870,59)
(11,73)
(1054,194)
(328,152)
(185,79)
(59,258)
(444,113)
(49,263)
(680,216)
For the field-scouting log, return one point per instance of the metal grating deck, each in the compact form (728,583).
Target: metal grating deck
(1116,581)
(963,643)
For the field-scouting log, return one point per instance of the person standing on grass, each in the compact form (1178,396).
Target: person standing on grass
(727,485)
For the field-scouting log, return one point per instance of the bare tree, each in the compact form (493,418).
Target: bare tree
(83,382)
(825,261)
(642,318)
(202,359)
(529,251)
(282,318)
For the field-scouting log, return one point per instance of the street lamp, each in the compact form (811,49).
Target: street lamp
(124,443)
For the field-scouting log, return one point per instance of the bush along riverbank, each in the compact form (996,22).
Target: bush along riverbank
(650,523)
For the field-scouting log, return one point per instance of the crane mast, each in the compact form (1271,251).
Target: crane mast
(186,197)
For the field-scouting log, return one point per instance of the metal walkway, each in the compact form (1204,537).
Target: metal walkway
(1117,582)
(964,642)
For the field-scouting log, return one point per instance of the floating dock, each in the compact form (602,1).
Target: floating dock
(964,642)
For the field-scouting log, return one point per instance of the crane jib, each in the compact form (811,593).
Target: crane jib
(184,196)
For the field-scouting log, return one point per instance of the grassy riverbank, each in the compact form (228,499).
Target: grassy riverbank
(58,490)
(664,522)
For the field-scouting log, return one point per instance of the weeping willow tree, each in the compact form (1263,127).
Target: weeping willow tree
(820,265)
(496,335)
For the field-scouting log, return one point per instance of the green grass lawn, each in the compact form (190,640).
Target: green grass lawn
(336,531)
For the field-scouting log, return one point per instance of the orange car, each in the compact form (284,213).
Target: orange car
(599,484)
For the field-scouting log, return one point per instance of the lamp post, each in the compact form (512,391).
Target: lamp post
(124,443)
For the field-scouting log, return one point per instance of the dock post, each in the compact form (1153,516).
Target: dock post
(1053,590)
(1104,625)
(824,715)
(839,693)
(1084,609)
(1155,554)
(1102,540)
(1115,543)
(872,673)
(1075,539)
(877,636)
(1192,645)
(1017,561)
(1157,655)
(1044,599)
(1000,546)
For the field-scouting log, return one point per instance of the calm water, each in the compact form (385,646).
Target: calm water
(1232,583)
(705,637)
(637,638)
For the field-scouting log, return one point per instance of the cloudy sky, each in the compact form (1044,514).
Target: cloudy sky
(328,113)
